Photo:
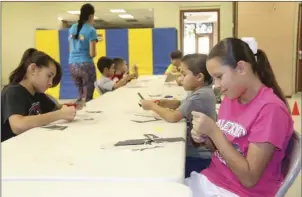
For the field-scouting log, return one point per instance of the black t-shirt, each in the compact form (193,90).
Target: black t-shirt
(16,99)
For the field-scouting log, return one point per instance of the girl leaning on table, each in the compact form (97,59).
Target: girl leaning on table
(24,105)
(253,129)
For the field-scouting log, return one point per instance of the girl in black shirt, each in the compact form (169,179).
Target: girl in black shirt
(24,105)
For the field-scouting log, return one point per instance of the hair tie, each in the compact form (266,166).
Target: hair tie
(252,44)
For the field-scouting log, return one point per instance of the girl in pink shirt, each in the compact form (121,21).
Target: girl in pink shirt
(253,129)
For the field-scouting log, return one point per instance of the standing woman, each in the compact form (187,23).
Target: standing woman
(82,41)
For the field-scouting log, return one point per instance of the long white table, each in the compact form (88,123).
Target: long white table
(93,189)
(85,151)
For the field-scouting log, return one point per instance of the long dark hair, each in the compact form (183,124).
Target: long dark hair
(197,64)
(86,11)
(232,50)
(41,59)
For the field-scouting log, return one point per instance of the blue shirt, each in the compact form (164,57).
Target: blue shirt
(79,49)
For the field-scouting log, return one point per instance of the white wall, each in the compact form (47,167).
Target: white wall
(279,41)
(20,20)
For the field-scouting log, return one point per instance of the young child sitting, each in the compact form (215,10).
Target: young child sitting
(202,99)
(174,67)
(121,69)
(105,83)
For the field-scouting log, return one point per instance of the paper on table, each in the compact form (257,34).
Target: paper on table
(79,118)
(143,119)
(133,147)
(54,127)
(136,84)
(148,114)
(170,78)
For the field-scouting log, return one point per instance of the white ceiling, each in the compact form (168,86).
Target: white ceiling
(140,16)
(139,10)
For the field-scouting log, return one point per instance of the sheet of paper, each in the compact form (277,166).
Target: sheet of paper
(170,78)
(148,114)
(54,127)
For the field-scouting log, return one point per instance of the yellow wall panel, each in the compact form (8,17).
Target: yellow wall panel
(140,50)
(101,51)
(48,42)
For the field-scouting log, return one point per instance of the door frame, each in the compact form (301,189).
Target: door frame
(235,19)
(210,35)
(298,86)
(181,23)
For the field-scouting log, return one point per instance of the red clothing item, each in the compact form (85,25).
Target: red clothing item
(117,76)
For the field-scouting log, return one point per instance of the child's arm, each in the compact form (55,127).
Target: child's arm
(170,69)
(20,123)
(269,134)
(207,144)
(121,82)
(179,80)
(135,72)
(15,110)
(50,104)
(172,104)
(79,105)
(165,113)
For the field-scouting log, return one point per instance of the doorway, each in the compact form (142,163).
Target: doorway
(298,84)
(199,30)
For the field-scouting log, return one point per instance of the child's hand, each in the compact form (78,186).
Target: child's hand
(126,77)
(134,67)
(81,104)
(203,126)
(68,113)
(147,104)
(132,76)
(135,71)
(179,80)
(174,69)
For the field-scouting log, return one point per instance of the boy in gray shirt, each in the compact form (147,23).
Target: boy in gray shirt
(197,80)
(105,83)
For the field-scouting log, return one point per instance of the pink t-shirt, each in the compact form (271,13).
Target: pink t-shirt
(264,119)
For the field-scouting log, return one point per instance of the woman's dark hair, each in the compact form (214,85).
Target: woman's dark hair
(197,64)
(41,59)
(86,11)
(232,50)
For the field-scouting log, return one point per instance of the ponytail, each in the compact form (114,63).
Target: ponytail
(40,59)
(86,11)
(232,50)
(18,74)
(267,76)
(80,25)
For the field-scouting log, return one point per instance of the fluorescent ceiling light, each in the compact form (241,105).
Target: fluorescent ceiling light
(125,16)
(74,12)
(117,10)
(60,18)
